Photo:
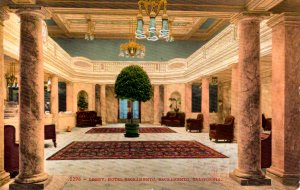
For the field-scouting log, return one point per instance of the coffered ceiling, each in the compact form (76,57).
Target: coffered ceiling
(116,23)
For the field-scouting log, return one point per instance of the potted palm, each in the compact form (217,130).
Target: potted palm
(82,103)
(133,84)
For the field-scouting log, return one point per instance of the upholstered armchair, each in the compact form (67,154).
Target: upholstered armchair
(266,150)
(195,124)
(11,151)
(222,131)
(266,123)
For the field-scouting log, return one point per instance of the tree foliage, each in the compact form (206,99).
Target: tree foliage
(133,83)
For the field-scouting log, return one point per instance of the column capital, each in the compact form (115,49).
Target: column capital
(287,18)
(249,16)
(30,9)
(3,15)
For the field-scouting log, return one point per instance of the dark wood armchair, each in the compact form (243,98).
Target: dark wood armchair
(266,123)
(222,131)
(11,151)
(195,124)
(266,150)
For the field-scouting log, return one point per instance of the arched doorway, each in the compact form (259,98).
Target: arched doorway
(175,101)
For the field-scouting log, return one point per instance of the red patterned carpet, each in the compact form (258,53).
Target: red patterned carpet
(122,130)
(88,150)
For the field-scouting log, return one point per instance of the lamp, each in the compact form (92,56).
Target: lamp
(132,48)
(89,35)
(11,79)
(214,80)
(152,9)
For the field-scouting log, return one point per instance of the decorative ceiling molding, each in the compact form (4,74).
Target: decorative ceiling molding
(215,56)
(24,1)
(262,5)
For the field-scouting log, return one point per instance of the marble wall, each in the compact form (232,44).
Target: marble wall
(147,115)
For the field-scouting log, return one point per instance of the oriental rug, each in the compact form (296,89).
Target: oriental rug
(88,150)
(122,130)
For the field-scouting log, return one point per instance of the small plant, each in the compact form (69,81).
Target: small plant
(177,103)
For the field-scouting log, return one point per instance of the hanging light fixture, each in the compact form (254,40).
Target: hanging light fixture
(152,9)
(132,48)
(11,79)
(214,80)
(89,35)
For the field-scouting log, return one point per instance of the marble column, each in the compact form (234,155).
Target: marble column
(4,176)
(31,168)
(70,98)
(103,103)
(205,103)
(54,99)
(97,101)
(248,171)
(156,103)
(285,98)
(234,97)
(188,100)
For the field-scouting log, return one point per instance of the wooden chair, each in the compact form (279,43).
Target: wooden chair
(222,131)
(195,124)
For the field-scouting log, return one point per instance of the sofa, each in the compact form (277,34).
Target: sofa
(222,131)
(174,119)
(195,124)
(87,119)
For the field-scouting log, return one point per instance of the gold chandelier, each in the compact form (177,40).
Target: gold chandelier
(132,48)
(152,9)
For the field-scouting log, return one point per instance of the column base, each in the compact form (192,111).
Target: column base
(285,179)
(4,178)
(30,186)
(250,181)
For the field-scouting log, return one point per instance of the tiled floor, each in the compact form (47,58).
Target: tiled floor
(72,175)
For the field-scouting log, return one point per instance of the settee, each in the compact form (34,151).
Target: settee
(87,119)
(266,150)
(174,119)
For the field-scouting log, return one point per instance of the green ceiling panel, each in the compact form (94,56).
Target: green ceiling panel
(109,49)
(207,23)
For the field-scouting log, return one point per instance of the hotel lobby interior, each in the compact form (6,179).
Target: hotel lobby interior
(223,104)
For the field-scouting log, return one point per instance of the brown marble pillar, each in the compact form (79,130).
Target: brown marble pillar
(285,98)
(70,99)
(103,103)
(156,99)
(4,176)
(234,97)
(97,100)
(31,169)
(166,100)
(54,99)
(205,103)
(188,100)
(248,171)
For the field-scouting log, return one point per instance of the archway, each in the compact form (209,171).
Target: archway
(175,101)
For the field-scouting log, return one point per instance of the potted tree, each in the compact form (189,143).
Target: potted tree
(82,103)
(133,84)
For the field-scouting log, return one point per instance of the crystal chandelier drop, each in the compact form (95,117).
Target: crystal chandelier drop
(132,48)
(89,35)
(152,9)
